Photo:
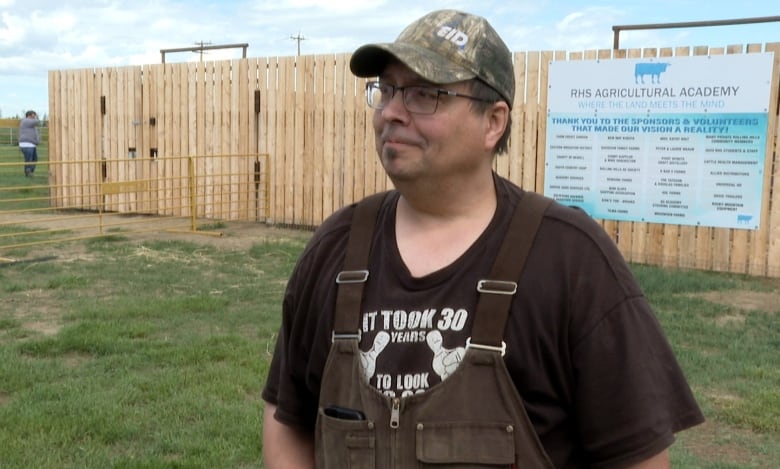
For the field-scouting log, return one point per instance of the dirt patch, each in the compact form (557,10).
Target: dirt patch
(745,300)
(67,227)
(716,442)
(37,311)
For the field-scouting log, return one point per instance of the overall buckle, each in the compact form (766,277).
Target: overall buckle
(352,276)
(345,336)
(497,287)
(490,348)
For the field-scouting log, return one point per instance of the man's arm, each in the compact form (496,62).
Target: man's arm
(659,461)
(284,446)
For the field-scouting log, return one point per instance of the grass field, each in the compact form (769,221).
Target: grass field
(17,191)
(150,351)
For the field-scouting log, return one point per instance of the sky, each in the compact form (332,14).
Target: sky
(41,35)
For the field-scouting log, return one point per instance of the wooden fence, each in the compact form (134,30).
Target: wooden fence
(309,114)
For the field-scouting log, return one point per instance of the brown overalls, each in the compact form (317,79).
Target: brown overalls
(475,418)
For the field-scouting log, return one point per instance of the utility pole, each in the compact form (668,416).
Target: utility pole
(298,38)
(201,47)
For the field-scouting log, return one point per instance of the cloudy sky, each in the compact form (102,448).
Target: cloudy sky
(41,35)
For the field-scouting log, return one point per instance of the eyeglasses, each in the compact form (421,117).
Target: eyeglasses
(416,99)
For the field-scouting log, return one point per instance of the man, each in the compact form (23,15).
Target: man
(446,347)
(28,141)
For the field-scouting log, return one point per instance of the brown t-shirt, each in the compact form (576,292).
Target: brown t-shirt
(585,351)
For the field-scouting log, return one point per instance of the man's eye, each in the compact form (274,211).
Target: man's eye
(423,94)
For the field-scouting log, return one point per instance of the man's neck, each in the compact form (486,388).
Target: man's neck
(434,228)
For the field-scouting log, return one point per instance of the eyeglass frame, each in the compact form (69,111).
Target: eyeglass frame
(375,85)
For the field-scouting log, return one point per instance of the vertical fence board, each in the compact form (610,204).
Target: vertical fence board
(306,88)
(767,249)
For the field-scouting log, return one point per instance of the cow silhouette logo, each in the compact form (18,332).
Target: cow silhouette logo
(649,68)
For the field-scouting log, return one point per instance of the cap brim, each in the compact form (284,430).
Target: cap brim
(370,60)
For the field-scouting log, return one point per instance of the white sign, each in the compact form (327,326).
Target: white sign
(677,140)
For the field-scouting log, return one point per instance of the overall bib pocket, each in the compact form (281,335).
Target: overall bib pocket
(465,444)
(345,441)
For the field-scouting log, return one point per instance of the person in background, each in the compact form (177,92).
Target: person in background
(29,140)
(474,323)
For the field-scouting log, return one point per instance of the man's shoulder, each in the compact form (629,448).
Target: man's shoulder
(336,227)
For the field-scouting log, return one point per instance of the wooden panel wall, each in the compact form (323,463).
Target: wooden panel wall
(313,123)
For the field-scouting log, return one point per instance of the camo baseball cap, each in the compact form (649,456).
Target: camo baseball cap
(445,46)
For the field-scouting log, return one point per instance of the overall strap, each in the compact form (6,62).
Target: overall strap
(354,275)
(496,292)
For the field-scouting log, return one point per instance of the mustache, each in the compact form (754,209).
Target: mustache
(389,134)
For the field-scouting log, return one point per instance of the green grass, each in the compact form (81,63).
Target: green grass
(127,354)
(730,356)
(18,192)
(146,355)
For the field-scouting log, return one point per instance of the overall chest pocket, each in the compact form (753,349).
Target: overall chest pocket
(350,442)
(465,445)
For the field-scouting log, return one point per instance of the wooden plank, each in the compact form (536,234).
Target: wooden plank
(167,150)
(254,194)
(106,128)
(235,136)
(181,140)
(287,71)
(305,151)
(516,136)
(503,163)
(245,172)
(135,168)
(541,147)
(70,172)
(359,155)
(322,69)
(209,141)
(327,102)
(65,145)
(55,149)
(352,98)
(142,147)
(156,98)
(275,134)
(340,79)
(533,113)
(89,194)
(263,135)
(765,250)
(225,129)
(200,135)
(193,83)
(81,136)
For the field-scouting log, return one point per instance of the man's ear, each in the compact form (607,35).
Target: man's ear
(496,119)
